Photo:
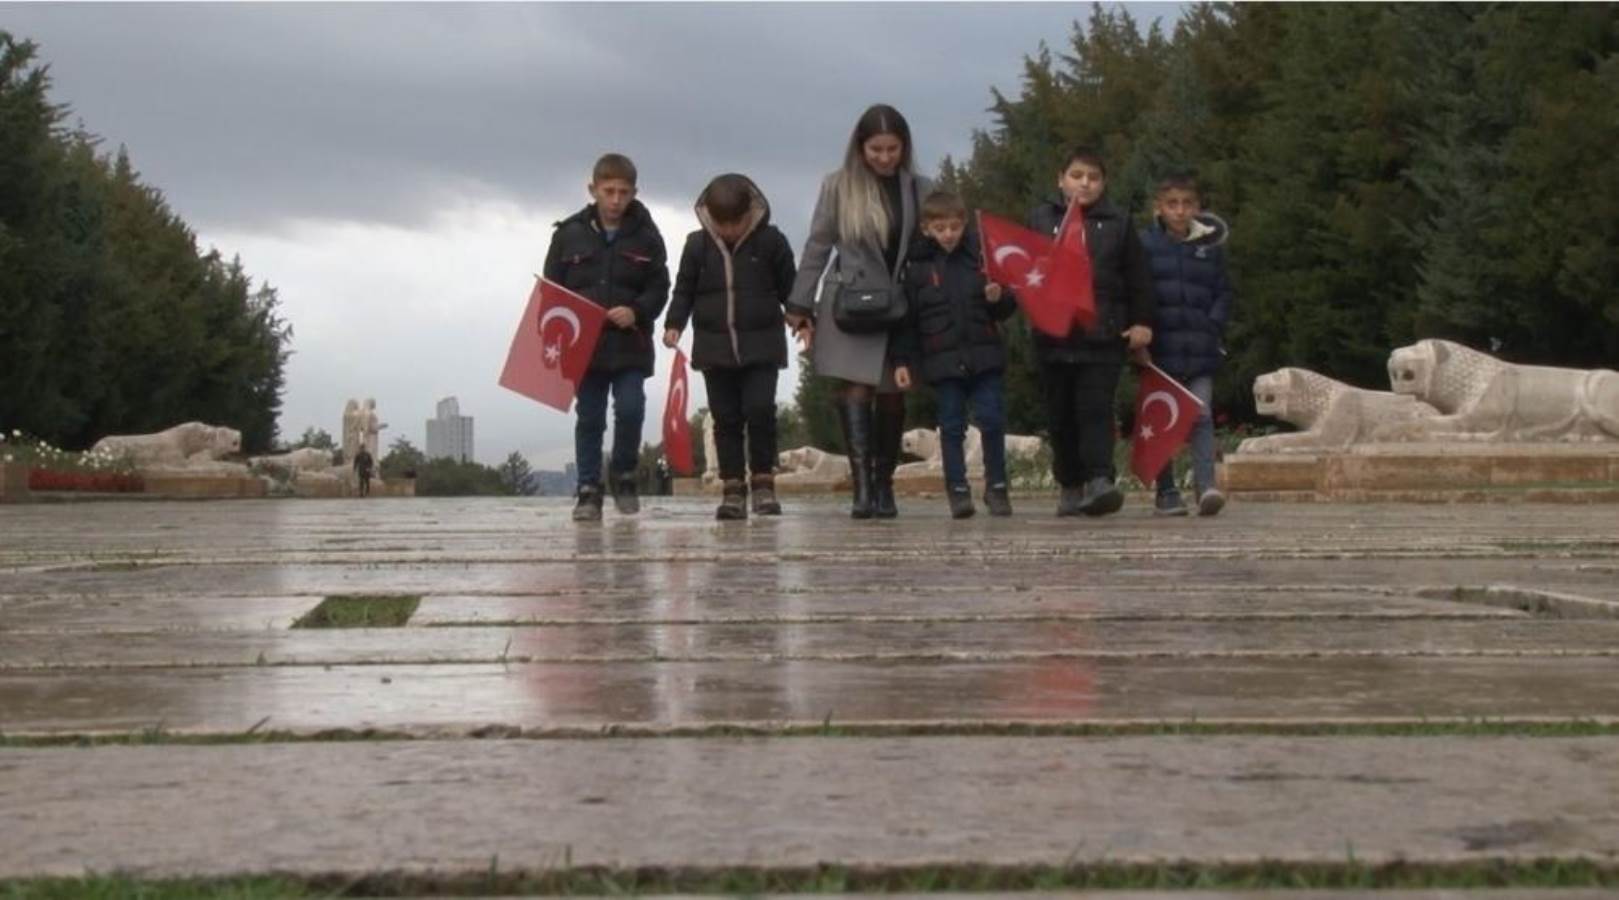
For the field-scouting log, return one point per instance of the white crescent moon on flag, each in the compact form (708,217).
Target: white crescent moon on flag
(1169,401)
(677,395)
(1002,252)
(566,315)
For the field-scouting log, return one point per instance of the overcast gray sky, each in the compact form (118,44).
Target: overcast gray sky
(393,170)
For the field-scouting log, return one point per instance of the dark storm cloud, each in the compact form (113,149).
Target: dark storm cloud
(247,114)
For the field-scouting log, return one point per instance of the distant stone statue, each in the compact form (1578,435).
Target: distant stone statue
(711,453)
(192,445)
(1481,398)
(370,427)
(1333,415)
(351,428)
(925,442)
(811,465)
(305,459)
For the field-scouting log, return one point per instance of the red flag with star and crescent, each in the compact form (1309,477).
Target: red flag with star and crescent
(1165,414)
(1048,278)
(552,348)
(1071,267)
(676,427)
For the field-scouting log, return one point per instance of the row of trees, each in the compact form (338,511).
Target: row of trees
(111,319)
(1390,172)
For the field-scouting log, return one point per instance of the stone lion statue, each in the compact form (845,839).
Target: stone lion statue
(811,465)
(1481,398)
(926,443)
(1331,414)
(192,444)
(305,459)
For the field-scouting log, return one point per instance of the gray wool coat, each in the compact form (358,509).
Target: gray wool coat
(860,358)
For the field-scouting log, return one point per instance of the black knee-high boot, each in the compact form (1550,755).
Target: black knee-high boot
(854,413)
(888,430)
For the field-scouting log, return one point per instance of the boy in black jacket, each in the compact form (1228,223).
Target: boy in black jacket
(1079,374)
(735,275)
(953,340)
(611,252)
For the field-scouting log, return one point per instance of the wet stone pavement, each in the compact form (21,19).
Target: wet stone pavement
(907,693)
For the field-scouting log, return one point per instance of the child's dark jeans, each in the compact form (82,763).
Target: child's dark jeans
(1079,412)
(629,411)
(743,399)
(986,392)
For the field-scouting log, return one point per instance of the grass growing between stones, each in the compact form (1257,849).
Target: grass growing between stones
(1471,728)
(571,880)
(361,611)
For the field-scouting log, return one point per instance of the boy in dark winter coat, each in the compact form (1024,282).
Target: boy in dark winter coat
(1079,374)
(735,275)
(611,252)
(952,340)
(1194,304)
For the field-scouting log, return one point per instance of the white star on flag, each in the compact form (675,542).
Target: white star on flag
(1146,432)
(1035,279)
(553,352)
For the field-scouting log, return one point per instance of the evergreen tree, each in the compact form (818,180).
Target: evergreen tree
(514,475)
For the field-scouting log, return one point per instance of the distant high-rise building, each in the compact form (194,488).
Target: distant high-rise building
(449,435)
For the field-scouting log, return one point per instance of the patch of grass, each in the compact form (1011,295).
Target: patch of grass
(568,880)
(360,611)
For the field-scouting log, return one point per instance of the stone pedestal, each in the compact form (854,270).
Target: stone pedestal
(204,486)
(13,482)
(1432,471)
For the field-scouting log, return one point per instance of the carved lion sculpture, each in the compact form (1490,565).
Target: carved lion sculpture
(811,465)
(1481,398)
(1333,415)
(304,459)
(925,442)
(192,443)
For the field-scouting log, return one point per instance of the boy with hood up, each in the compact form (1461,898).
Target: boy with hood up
(735,275)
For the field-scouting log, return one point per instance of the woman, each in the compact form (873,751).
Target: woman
(867,213)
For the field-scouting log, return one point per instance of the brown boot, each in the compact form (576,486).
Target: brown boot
(733,501)
(764,496)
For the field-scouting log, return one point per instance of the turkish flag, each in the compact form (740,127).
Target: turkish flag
(676,428)
(552,348)
(1158,436)
(1047,278)
(1071,267)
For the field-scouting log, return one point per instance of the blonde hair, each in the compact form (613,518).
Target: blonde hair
(862,215)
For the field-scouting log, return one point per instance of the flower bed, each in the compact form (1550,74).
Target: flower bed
(53,469)
(79,480)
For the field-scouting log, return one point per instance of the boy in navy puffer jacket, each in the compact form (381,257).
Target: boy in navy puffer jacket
(1194,306)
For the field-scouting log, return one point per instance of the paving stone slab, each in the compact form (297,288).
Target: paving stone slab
(455,806)
(461,698)
(914,641)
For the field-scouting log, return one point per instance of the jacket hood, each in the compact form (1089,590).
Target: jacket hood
(636,217)
(758,215)
(1103,208)
(924,248)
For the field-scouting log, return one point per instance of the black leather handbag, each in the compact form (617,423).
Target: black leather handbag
(868,310)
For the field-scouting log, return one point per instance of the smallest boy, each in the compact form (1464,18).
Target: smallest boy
(953,340)
(735,275)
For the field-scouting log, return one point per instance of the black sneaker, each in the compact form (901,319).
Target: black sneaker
(1102,497)
(961,501)
(1068,501)
(733,502)
(1169,505)
(1211,502)
(624,495)
(995,497)
(589,506)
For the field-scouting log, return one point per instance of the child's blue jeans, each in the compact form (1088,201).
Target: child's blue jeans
(629,411)
(1202,443)
(986,392)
